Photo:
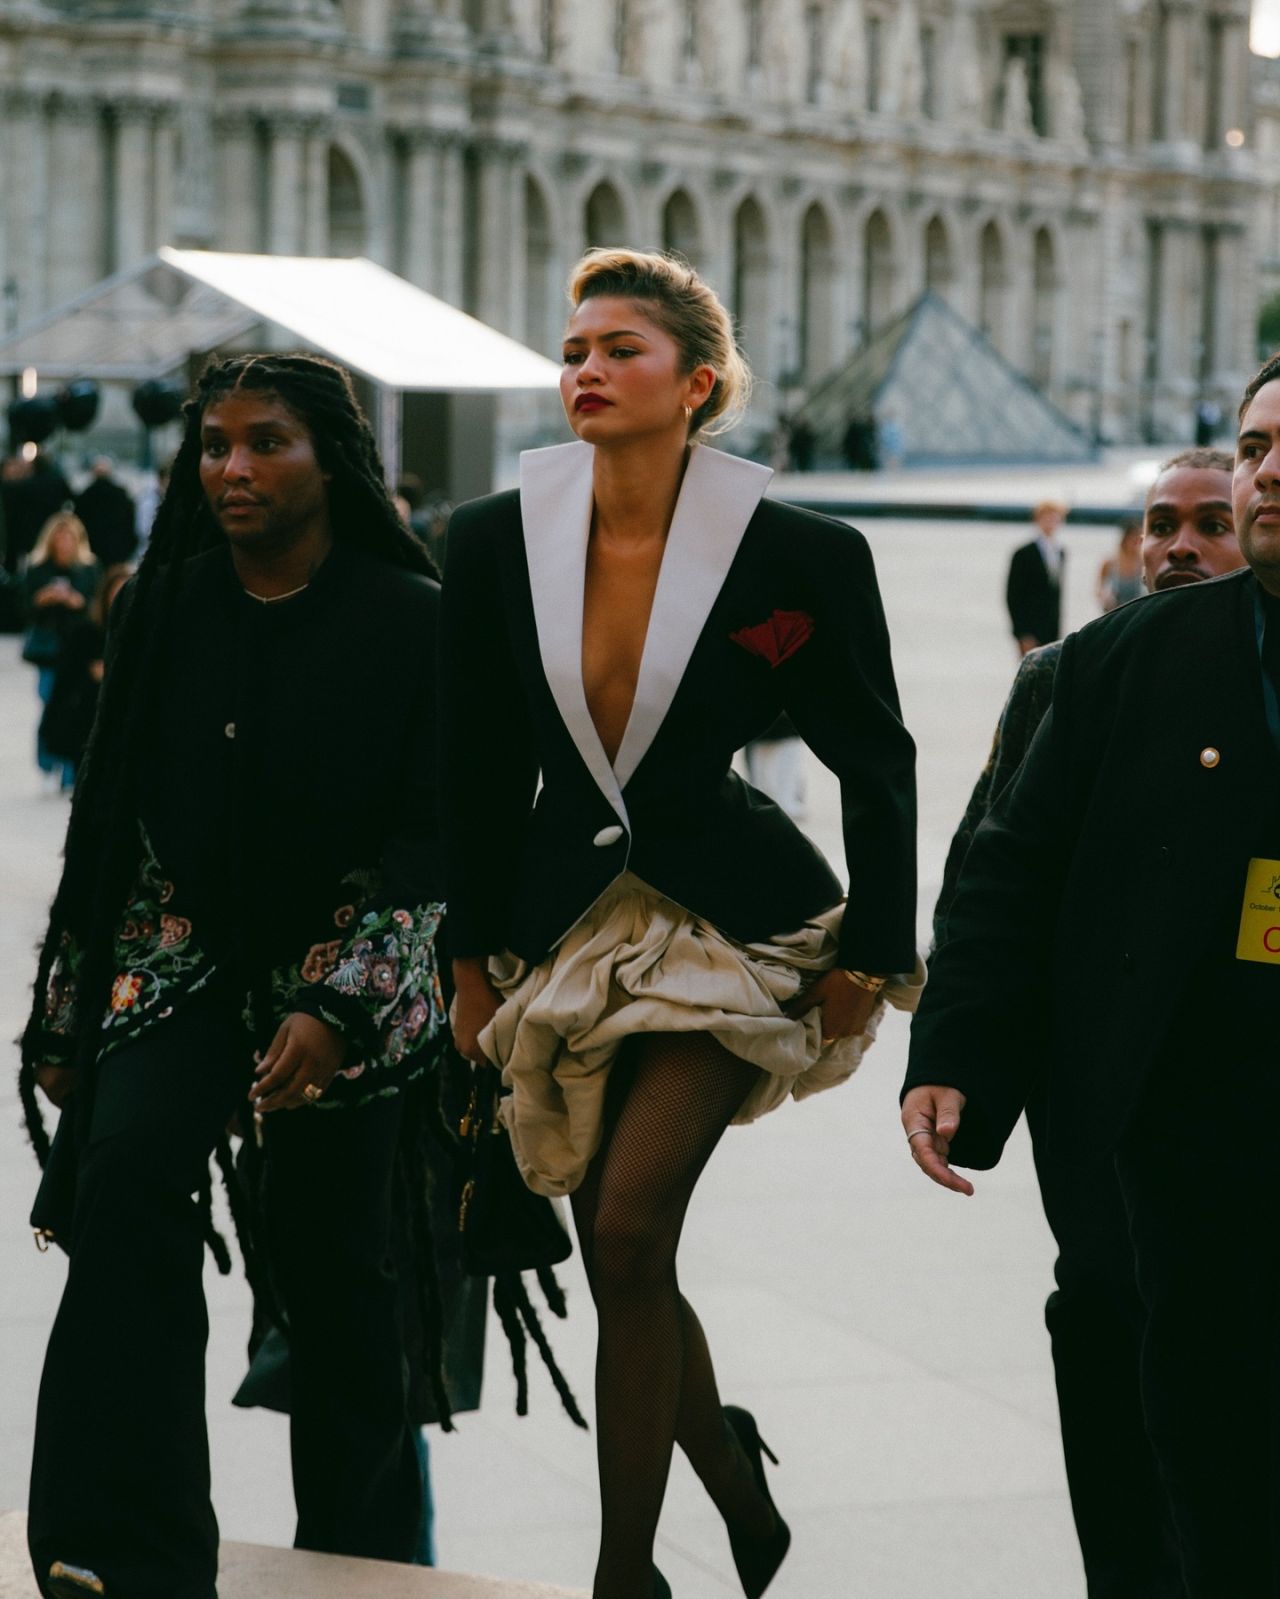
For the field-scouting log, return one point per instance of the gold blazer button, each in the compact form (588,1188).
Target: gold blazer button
(1209,757)
(607,836)
(229,730)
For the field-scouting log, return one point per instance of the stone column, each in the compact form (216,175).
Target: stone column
(1234,91)
(26,161)
(421,202)
(499,237)
(1174,74)
(1230,262)
(450,254)
(717,235)
(787,290)
(315,232)
(77,258)
(238,183)
(132,186)
(195,207)
(1185,242)
(286,172)
(164,188)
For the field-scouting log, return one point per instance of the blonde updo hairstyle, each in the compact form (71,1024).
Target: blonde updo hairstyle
(676,299)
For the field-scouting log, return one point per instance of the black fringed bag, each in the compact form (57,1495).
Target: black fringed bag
(506,1228)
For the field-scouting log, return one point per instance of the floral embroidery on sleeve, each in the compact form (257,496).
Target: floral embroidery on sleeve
(60,991)
(157,959)
(380,986)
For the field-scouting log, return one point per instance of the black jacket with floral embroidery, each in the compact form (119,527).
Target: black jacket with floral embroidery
(286,804)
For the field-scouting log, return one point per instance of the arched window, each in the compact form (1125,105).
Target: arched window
(1044,308)
(818,288)
(681,230)
(877,274)
(751,273)
(605,220)
(541,331)
(348,225)
(939,269)
(992,286)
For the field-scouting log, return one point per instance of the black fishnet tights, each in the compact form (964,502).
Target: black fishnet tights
(670,1101)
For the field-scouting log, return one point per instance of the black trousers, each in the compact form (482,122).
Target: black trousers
(120,1474)
(1095,1320)
(1198,1177)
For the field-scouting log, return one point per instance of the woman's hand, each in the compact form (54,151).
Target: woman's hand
(931,1119)
(60,592)
(305,1053)
(474,1008)
(56,1083)
(846,1008)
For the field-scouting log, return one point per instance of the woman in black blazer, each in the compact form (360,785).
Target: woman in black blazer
(618,629)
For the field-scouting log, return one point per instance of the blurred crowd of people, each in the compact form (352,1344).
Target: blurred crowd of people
(65,556)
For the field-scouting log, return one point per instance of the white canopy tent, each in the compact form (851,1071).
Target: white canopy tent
(148,322)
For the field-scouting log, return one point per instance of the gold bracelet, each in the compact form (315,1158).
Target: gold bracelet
(870,985)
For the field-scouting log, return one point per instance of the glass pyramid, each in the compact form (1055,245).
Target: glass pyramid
(949,395)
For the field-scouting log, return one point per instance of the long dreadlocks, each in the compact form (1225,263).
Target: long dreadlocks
(102,847)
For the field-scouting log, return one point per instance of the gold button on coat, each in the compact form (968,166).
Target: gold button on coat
(230,730)
(1209,757)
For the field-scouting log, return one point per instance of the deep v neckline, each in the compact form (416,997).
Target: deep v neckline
(717,500)
(648,628)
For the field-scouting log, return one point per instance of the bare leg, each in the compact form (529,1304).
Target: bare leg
(654,1377)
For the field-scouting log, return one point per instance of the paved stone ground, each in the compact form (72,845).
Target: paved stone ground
(888,1336)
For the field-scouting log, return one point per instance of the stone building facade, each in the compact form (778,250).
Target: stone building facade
(1076,176)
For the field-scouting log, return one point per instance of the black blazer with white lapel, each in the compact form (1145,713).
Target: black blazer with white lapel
(1108,874)
(521,872)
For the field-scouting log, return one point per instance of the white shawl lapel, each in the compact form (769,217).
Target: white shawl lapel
(555,511)
(717,499)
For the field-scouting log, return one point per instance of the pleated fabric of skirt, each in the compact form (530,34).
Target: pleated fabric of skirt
(637,962)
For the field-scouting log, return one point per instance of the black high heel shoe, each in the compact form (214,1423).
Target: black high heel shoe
(756,1558)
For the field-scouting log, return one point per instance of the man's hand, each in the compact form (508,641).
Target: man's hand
(56,1083)
(305,1052)
(931,1119)
(846,1008)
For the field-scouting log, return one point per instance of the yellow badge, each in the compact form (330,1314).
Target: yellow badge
(1260,914)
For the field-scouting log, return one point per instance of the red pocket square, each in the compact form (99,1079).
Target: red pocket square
(779,638)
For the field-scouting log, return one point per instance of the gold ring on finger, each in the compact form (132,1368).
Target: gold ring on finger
(311,1092)
(920,1132)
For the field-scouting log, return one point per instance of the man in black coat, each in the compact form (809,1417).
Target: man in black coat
(1033,592)
(1117,921)
(1094,1315)
(109,515)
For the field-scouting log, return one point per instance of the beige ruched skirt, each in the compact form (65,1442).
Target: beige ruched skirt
(638,963)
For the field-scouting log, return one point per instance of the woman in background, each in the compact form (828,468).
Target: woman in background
(58,584)
(73,702)
(1120,576)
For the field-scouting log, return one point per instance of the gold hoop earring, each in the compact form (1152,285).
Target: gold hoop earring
(688,414)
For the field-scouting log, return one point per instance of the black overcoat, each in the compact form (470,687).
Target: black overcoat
(1109,872)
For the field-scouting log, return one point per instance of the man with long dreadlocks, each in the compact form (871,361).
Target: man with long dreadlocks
(250,877)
